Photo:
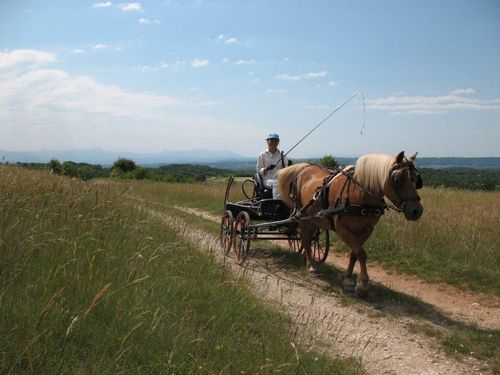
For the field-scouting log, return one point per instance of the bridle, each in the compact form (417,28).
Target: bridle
(393,173)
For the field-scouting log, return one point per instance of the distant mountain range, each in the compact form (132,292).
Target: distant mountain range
(220,159)
(103,157)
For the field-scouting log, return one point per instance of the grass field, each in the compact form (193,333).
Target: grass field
(455,241)
(89,285)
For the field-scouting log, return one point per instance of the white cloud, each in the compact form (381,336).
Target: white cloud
(147,21)
(131,7)
(78,50)
(102,5)
(199,63)
(100,46)
(463,91)
(430,104)
(53,109)
(329,84)
(275,91)
(54,96)
(225,60)
(172,66)
(299,77)
(316,74)
(226,40)
(25,56)
(245,62)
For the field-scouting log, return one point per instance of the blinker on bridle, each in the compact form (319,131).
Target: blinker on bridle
(407,164)
(392,180)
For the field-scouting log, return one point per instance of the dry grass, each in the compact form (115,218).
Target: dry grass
(455,241)
(89,284)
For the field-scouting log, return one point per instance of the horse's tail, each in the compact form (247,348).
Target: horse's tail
(285,177)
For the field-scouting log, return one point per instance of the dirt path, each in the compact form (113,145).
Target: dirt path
(467,307)
(324,321)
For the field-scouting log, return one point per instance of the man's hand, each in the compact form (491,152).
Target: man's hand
(271,167)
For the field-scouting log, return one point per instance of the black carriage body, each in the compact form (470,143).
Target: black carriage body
(265,219)
(260,210)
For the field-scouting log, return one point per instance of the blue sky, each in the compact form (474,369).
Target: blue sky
(176,75)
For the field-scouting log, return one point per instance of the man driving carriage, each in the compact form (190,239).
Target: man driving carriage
(269,162)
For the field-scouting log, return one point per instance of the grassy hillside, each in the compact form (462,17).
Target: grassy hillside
(90,285)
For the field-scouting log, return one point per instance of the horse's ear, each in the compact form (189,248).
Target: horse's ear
(399,158)
(413,157)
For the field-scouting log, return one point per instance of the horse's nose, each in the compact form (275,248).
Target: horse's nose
(413,213)
(416,213)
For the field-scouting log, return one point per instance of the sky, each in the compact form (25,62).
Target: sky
(150,76)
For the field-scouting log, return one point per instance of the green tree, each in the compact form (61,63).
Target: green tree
(70,168)
(124,165)
(54,166)
(329,161)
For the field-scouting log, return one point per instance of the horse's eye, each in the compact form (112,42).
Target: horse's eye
(396,178)
(419,183)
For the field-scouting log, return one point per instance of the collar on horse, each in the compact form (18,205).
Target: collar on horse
(340,207)
(345,207)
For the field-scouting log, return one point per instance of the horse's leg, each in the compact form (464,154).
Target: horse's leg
(355,243)
(306,234)
(348,284)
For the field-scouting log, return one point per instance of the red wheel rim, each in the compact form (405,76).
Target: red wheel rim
(241,237)
(226,231)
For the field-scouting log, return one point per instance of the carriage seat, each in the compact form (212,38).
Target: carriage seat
(261,192)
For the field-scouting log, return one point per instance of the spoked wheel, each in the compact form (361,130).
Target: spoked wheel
(320,245)
(226,231)
(294,243)
(241,237)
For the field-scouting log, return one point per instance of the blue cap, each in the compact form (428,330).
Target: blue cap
(273,136)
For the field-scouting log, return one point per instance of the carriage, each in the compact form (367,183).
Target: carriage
(260,217)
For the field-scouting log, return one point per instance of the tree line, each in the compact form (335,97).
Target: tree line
(123,168)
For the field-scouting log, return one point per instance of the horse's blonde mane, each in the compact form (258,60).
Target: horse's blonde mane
(372,171)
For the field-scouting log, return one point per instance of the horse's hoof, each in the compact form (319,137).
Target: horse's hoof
(312,271)
(362,290)
(348,286)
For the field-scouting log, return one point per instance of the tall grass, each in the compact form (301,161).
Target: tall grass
(455,241)
(90,285)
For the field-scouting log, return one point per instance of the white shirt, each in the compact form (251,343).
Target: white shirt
(265,159)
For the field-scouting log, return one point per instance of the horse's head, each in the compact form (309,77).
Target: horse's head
(402,184)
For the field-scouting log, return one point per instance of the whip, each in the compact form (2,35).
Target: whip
(320,123)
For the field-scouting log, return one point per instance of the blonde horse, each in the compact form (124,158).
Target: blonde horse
(351,203)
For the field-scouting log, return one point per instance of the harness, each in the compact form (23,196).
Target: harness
(341,206)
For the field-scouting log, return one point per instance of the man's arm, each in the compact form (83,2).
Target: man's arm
(260,168)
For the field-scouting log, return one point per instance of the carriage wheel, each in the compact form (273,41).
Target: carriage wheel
(320,245)
(295,244)
(241,237)
(226,231)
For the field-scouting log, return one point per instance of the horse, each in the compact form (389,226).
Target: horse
(350,202)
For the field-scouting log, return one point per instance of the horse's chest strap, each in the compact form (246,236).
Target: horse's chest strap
(352,209)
